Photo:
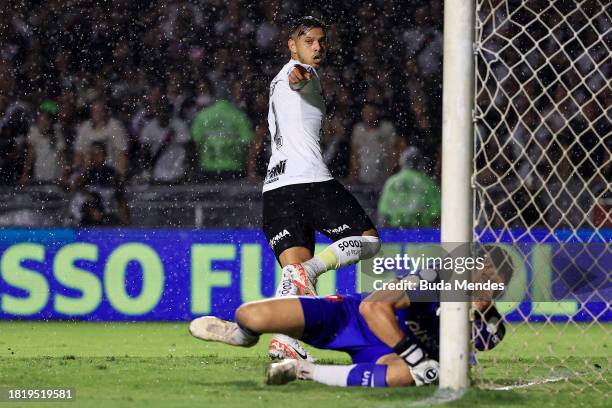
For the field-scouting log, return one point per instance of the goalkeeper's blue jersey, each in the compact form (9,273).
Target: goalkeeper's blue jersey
(334,323)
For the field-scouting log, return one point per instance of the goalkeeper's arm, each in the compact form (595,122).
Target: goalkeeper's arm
(488,328)
(378,310)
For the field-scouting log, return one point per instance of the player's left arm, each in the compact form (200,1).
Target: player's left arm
(378,310)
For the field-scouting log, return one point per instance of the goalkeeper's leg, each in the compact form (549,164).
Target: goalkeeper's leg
(394,373)
(253,319)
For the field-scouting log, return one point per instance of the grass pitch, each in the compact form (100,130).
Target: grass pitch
(161,365)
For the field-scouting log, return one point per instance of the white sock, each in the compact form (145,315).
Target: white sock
(341,253)
(336,375)
(314,267)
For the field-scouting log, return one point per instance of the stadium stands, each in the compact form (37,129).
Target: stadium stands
(229,204)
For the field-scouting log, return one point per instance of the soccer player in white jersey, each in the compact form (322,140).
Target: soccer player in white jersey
(299,194)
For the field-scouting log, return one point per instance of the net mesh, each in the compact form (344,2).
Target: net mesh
(542,171)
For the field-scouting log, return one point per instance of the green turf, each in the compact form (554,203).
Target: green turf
(160,365)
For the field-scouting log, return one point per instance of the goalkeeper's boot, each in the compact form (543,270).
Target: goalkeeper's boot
(301,280)
(284,347)
(287,370)
(211,328)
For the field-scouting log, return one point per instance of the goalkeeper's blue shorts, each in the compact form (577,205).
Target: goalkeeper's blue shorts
(334,323)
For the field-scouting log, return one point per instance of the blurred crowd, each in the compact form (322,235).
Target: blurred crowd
(543,118)
(96,95)
(115,92)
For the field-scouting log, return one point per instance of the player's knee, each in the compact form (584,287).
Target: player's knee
(250,316)
(370,245)
(368,308)
(375,308)
(242,314)
(375,242)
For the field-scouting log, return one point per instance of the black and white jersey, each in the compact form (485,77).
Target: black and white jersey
(295,120)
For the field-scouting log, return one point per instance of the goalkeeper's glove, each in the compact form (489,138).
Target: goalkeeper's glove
(488,329)
(424,370)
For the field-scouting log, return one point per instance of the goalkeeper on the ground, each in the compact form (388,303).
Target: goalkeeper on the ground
(392,336)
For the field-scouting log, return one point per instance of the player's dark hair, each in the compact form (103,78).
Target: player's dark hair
(302,25)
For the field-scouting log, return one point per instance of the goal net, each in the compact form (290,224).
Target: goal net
(541,179)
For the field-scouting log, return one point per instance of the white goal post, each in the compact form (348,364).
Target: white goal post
(457,136)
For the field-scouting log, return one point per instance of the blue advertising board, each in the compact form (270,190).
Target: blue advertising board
(176,274)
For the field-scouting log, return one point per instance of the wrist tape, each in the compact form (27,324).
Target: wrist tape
(411,353)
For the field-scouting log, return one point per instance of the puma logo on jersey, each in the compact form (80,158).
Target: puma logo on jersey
(284,233)
(276,170)
(337,230)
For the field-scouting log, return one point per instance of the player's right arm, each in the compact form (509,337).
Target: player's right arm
(298,77)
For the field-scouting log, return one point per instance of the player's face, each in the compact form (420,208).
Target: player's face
(488,274)
(309,48)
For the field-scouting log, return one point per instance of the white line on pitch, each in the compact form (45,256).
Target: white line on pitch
(528,384)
